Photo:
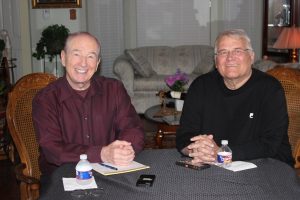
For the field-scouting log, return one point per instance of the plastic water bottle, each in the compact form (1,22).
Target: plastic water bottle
(84,173)
(224,154)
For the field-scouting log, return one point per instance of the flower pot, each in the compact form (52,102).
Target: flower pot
(179,104)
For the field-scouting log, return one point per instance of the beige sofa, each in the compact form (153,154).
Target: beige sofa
(143,70)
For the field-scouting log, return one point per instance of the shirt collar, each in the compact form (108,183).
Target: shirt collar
(66,91)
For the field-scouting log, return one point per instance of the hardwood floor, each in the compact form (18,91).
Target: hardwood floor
(9,188)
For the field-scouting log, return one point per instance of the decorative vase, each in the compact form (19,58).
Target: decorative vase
(179,104)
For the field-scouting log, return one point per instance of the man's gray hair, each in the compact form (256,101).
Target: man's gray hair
(235,33)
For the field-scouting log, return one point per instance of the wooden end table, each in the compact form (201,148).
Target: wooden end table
(163,128)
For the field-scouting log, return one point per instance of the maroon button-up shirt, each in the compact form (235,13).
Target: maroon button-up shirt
(68,125)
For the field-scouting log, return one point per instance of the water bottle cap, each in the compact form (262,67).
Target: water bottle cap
(224,142)
(83,157)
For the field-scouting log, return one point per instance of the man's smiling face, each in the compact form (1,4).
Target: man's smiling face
(81,59)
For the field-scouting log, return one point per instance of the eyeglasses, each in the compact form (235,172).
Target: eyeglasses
(235,52)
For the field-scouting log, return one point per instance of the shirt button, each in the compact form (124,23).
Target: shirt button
(85,118)
(87,136)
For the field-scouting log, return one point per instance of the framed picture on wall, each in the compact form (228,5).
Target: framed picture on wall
(56,4)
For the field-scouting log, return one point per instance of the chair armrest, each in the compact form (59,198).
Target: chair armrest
(297,154)
(23,178)
(123,69)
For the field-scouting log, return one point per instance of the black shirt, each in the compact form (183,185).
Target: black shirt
(253,118)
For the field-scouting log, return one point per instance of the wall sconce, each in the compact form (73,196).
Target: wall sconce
(289,38)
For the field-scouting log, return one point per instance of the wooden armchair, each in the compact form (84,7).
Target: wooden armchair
(290,80)
(19,120)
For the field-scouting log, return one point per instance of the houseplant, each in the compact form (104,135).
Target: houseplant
(177,83)
(51,42)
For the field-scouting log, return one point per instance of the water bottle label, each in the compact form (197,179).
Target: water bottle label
(224,157)
(84,175)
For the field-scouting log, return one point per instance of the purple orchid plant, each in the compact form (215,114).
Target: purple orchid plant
(177,81)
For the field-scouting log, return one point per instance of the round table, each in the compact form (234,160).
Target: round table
(163,128)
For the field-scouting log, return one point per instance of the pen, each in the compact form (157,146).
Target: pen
(108,166)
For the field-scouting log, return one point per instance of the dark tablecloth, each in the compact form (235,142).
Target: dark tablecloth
(272,179)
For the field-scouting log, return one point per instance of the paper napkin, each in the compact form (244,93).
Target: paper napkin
(240,165)
(70,184)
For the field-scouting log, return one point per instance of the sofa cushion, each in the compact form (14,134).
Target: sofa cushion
(184,58)
(162,59)
(155,83)
(166,60)
(139,63)
(204,56)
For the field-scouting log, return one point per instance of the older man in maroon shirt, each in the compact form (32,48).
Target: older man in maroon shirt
(85,113)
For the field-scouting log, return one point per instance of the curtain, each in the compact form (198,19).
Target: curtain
(105,21)
(173,22)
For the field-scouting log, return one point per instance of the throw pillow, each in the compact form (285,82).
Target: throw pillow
(140,63)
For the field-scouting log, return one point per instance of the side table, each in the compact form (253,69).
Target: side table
(163,128)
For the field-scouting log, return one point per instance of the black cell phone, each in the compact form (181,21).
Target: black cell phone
(145,180)
(188,164)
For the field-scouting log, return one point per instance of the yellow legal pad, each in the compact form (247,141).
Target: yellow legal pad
(134,166)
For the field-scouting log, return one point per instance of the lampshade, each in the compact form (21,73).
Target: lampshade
(289,38)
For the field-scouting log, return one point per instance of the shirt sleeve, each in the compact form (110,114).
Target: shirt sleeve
(190,118)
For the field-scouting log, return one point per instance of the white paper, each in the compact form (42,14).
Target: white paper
(240,165)
(70,184)
(134,166)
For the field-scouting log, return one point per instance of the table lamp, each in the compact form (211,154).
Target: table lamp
(289,38)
